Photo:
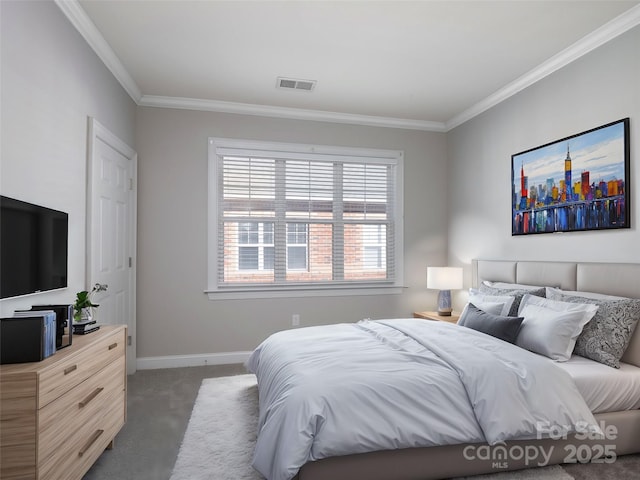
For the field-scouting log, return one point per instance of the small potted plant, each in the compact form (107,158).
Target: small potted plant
(83,308)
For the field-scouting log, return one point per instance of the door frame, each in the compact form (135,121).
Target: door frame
(97,132)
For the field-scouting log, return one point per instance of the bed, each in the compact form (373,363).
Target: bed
(619,417)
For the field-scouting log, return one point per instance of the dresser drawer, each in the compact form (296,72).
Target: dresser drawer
(69,372)
(72,410)
(77,452)
(44,434)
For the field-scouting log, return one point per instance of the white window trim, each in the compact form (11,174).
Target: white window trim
(321,152)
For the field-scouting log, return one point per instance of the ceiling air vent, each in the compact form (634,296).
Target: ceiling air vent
(293,84)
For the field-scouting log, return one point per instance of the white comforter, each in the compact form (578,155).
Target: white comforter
(354,388)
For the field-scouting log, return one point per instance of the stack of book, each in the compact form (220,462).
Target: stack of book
(64,314)
(82,328)
(49,320)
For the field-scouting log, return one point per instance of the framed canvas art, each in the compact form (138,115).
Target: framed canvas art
(573,184)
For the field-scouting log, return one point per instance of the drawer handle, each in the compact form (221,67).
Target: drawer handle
(90,442)
(112,346)
(90,397)
(70,369)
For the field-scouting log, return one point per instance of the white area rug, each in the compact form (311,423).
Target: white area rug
(218,443)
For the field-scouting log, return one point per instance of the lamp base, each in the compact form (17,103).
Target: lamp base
(444,303)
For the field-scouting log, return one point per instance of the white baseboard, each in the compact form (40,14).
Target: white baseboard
(174,361)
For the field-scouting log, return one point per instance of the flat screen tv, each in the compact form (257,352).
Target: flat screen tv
(33,248)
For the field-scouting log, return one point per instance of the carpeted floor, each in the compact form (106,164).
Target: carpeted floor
(159,404)
(219,440)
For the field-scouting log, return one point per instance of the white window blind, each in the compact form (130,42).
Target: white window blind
(287,216)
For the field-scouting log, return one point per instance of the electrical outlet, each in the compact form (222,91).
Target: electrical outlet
(295,320)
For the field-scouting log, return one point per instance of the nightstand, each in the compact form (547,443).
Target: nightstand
(438,318)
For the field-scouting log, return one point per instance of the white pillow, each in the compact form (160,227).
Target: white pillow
(551,328)
(493,304)
(557,305)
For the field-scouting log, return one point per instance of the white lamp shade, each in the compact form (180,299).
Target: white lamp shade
(444,278)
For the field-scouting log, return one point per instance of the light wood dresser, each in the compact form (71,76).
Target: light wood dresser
(58,415)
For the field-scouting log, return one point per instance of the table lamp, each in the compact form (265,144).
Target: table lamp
(444,279)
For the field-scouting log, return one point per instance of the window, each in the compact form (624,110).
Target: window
(289,217)
(296,246)
(374,250)
(255,246)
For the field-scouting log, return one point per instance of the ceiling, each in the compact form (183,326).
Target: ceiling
(428,65)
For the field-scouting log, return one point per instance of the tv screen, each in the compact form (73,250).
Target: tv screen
(33,248)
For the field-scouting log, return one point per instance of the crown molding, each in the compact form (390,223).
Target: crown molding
(83,24)
(597,38)
(79,19)
(289,113)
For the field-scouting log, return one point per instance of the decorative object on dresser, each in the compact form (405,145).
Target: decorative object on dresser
(84,327)
(444,279)
(452,318)
(58,415)
(83,307)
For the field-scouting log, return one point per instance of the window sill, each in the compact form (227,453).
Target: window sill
(294,292)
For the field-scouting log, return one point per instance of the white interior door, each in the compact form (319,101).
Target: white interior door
(111,239)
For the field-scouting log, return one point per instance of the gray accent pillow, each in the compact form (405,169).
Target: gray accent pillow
(606,337)
(504,328)
(516,293)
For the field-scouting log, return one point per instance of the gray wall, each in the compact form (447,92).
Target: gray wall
(174,315)
(601,87)
(51,83)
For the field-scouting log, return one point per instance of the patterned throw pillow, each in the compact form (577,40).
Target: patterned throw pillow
(516,293)
(606,337)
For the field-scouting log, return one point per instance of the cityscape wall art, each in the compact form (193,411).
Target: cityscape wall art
(573,184)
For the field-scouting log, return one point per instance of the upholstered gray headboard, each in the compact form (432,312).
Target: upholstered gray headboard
(622,279)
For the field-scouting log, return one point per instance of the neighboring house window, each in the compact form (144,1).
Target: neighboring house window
(374,247)
(296,246)
(255,246)
(303,217)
